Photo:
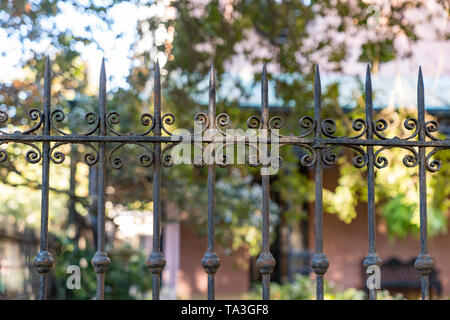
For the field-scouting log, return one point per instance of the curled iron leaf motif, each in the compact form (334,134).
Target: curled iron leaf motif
(379,126)
(203,119)
(117,162)
(166,158)
(254,122)
(409,160)
(411,124)
(307,123)
(222,120)
(169,119)
(430,127)
(328,128)
(435,164)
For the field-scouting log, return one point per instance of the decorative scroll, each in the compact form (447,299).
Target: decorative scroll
(91,118)
(410,160)
(435,164)
(113,118)
(58,157)
(34,115)
(145,160)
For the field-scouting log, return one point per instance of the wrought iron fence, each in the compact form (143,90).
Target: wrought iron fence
(318,139)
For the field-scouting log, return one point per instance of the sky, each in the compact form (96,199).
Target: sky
(116,51)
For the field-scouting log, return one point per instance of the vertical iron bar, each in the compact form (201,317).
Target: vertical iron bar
(156,260)
(423,263)
(372,257)
(266,263)
(44,260)
(319,261)
(211,261)
(100,261)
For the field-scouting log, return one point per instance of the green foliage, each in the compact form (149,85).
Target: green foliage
(304,288)
(128,277)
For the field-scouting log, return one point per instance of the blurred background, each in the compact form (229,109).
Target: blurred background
(237,36)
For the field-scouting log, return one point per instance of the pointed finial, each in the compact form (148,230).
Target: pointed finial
(47,66)
(368,100)
(317,100)
(102,97)
(103,74)
(47,95)
(317,86)
(368,91)
(212,93)
(264,99)
(212,75)
(420,97)
(157,66)
(157,91)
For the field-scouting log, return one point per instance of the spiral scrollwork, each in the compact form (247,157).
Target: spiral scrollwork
(203,119)
(308,124)
(34,155)
(379,126)
(308,159)
(166,157)
(328,128)
(276,123)
(58,115)
(146,120)
(117,162)
(435,164)
(254,122)
(410,160)
(430,127)
(329,156)
(58,157)
(167,119)
(222,121)
(359,125)
(411,124)
(34,115)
